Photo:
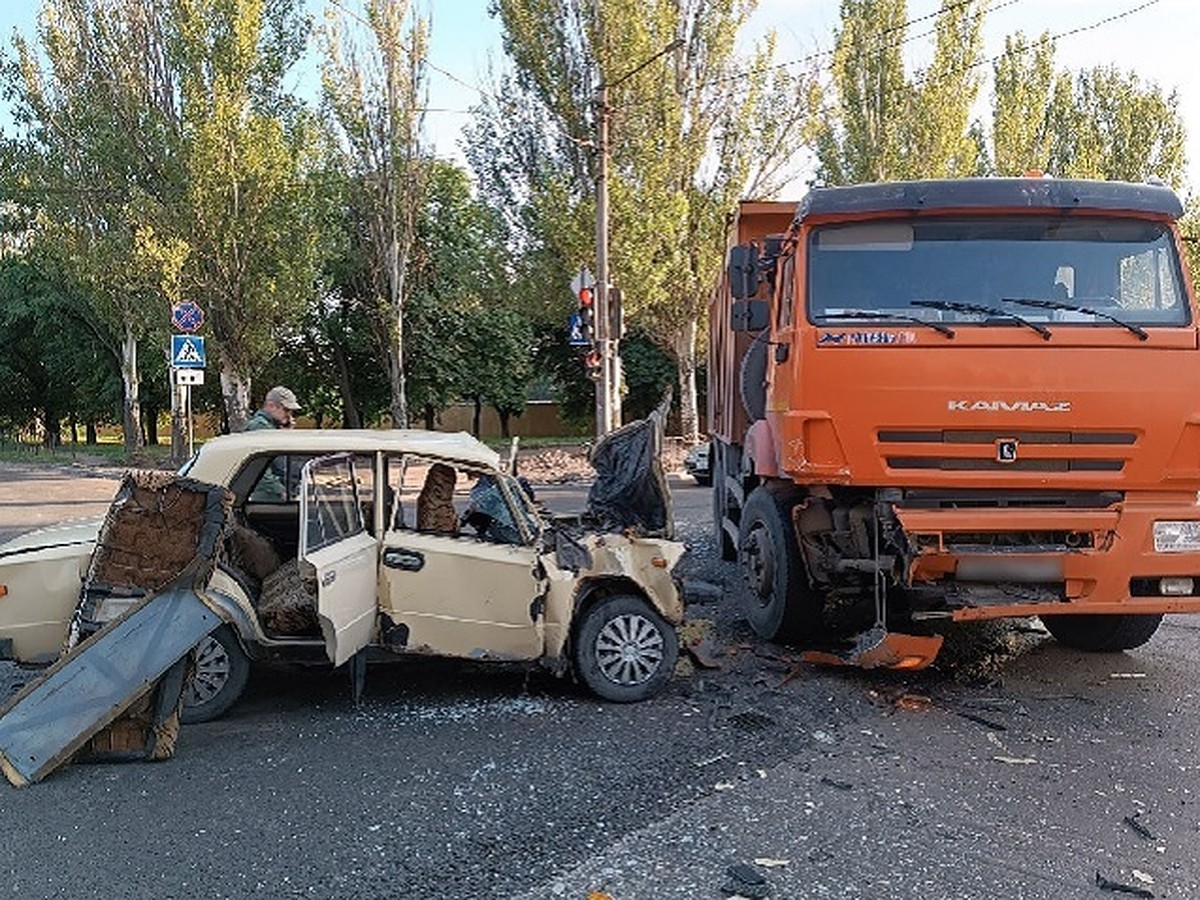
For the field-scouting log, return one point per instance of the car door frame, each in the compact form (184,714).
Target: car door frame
(346,566)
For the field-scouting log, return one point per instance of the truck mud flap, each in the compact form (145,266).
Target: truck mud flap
(880,649)
(98,681)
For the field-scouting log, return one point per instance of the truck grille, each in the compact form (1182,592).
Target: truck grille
(1070,451)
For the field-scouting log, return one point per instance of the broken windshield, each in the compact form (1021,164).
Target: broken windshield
(1098,271)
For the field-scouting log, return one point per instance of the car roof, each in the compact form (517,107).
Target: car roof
(221,455)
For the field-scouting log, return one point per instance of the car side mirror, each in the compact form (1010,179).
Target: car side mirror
(749,315)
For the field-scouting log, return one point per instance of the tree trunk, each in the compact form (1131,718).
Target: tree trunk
(351,417)
(89,433)
(430,417)
(684,349)
(178,425)
(151,424)
(477,416)
(504,415)
(235,390)
(132,405)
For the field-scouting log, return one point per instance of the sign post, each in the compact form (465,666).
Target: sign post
(188,358)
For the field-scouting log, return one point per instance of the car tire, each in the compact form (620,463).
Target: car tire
(779,603)
(1102,634)
(624,650)
(221,670)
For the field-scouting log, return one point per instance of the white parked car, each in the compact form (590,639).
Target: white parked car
(696,463)
(408,541)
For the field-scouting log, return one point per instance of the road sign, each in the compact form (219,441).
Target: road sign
(583,279)
(187,316)
(575,335)
(189,376)
(187,351)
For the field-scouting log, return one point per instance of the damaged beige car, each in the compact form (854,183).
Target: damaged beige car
(336,543)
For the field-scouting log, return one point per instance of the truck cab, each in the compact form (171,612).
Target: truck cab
(962,400)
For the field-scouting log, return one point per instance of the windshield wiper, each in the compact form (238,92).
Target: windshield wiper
(1074,307)
(881,317)
(957,306)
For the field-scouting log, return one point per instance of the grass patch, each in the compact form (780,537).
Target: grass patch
(99,454)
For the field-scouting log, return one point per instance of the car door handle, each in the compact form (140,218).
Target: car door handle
(408,560)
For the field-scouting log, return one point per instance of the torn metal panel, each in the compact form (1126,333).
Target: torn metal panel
(630,491)
(95,684)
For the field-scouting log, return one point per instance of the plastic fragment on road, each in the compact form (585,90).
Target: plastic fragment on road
(599,895)
(1016,760)
(1143,877)
(747,882)
(1132,822)
(1127,675)
(768,862)
(1118,888)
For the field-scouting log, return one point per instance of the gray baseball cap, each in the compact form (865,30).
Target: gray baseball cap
(284,397)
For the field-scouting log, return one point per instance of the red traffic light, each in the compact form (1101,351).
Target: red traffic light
(585,297)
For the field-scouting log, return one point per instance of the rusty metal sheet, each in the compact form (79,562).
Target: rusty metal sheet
(94,684)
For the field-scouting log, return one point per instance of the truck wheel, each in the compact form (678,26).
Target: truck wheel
(624,650)
(780,604)
(719,466)
(752,378)
(1102,634)
(221,672)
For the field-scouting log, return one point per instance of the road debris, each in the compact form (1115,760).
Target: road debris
(1132,822)
(833,782)
(1118,888)
(768,862)
(599,895)
(980,720)
(746,881)
(1143,877)
(1016,760)
(1127,675)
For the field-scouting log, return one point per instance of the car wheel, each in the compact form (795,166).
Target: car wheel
(1102,634)
(780,604)
(624,650)
(221,670)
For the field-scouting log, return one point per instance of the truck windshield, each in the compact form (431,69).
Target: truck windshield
(1096,271)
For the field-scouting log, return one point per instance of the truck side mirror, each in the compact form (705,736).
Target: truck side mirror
(749,315)
(743,271)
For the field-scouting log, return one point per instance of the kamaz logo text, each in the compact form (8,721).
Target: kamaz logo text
(1008,406)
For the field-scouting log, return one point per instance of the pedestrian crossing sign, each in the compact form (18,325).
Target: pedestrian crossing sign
(187,351)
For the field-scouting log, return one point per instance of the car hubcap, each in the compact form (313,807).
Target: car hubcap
(212,671)
(629,649)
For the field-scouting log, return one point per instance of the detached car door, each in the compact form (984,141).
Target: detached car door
(335,541)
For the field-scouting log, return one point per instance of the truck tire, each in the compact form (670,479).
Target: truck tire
(718,465)
(752,378)
(779,603)
(1102,634)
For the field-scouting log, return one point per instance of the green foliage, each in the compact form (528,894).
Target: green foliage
(1024,78)
(886,126)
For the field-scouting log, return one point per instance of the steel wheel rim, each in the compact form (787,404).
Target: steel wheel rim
(758,562)
(629,649)
(212,670)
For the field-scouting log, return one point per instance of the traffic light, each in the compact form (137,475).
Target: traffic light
(591,363)
(587,313)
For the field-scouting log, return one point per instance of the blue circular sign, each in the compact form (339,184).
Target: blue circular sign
(187,316)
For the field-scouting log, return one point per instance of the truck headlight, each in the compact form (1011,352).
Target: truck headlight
(1176,537)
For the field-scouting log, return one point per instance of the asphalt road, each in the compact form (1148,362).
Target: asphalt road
(1003,774)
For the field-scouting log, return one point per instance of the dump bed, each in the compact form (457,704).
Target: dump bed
(727,418)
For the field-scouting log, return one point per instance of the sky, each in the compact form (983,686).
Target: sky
(1156,39)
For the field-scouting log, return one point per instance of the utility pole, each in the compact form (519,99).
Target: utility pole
(604,389)
(608,388)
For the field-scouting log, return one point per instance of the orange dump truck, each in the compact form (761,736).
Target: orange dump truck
(958,400)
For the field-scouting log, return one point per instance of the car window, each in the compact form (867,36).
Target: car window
(332,509)
(280,479)
(434,497)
